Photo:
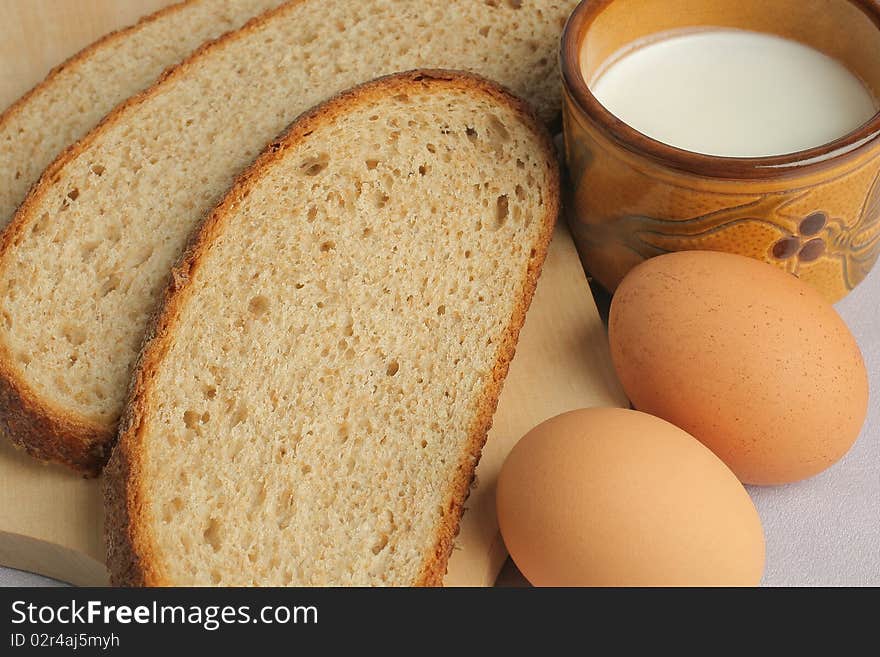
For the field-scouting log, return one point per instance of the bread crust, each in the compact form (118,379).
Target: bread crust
(42,429)
(45,432)
(132,557)
(107,40)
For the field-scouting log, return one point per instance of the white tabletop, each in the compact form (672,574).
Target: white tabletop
(826,530)
(823,531)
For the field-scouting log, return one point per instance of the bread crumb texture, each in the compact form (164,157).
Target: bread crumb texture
(317,394)
(76,95)
(87,257)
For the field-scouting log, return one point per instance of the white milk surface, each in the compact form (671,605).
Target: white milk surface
(733,93)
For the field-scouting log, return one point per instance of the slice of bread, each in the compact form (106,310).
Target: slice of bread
(78,93)
(318,386)
(88,253)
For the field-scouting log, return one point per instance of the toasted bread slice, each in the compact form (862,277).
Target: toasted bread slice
(89,252)
(318,386)
(77,94)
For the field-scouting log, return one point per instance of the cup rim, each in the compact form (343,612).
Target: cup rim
(801,162)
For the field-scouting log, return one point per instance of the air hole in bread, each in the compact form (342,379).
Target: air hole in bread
(501,210)
(423,169)
(315,165)
(240,415)
(471,134)
(431,148)
(145,254)
(75,335)
(273,398)
(484,31)
(210,392)
(191,419)
(393,368)
(213,534)
(285,508)
(173,507)
(371,164)
(258,305)
(497,128)
(380,544)
(73,194)
(328,245)
(40,224)
(382,200)
(110,284)
(441,310)
(312,214)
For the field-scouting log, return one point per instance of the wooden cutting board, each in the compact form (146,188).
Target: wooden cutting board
(50,520)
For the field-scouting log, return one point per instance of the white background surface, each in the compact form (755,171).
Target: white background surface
(826,530)
(821,532)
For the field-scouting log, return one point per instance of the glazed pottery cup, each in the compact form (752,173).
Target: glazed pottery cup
(814,213)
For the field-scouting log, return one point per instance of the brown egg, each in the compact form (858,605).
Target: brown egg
(614,497)
(743,356)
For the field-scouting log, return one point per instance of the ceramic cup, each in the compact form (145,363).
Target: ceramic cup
(814,213)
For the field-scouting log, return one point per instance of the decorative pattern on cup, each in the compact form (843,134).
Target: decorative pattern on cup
(803,245)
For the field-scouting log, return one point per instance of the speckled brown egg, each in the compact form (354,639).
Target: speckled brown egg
(743,356)
(614,497)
